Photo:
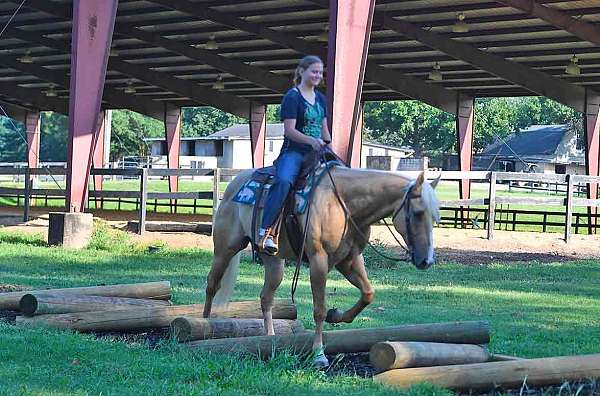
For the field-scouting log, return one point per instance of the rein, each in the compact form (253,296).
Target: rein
(405,203)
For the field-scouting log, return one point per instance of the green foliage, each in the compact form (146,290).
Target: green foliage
(202,121)
(128,131)
(108,238)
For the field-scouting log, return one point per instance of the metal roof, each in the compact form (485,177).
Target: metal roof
(149,36)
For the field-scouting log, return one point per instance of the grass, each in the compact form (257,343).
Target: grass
(535,310)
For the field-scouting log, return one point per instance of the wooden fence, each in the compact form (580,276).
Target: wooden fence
(463,209)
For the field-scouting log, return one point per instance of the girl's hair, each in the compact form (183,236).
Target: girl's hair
(305,64)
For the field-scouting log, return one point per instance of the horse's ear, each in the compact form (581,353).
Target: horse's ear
(435,181)
(419,182)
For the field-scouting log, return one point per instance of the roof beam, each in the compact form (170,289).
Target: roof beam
(251,73)
(409,86)
(200,94)
(558,18)
(14,111)
(34,97)
(533,80)
(114,97)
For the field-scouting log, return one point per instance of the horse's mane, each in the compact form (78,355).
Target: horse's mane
(432,205)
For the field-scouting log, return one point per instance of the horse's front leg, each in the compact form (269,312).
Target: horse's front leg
(273,276)
(318,280)
(354,270)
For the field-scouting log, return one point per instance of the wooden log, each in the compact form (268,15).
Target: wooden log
(39,304)
(151,290)
(144,318)
(394,355)
(508,374)
(191,328)
(352,340)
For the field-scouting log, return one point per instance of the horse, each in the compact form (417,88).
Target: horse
(343,208)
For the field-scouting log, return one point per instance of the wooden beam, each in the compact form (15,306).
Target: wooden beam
(116,98)
(202,95)
(533,80)
(14,111)
(34,97)
(582,29)
(412,87)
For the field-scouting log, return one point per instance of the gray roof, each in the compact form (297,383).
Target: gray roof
(535,140)
(242,131)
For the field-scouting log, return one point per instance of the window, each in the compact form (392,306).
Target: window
(560,169)
(370,152)
(270,146)
(219,148)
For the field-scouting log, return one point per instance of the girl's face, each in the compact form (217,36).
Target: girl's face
(313,75)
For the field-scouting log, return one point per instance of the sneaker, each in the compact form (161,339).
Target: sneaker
(268,245)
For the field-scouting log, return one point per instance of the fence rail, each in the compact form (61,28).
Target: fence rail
(491,208)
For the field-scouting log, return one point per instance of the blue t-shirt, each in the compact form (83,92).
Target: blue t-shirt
(309,117)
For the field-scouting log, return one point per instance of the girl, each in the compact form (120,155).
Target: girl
(304,116)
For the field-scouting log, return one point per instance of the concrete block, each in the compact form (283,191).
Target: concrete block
(72,230)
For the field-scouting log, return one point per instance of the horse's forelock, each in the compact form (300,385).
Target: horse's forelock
(430,201)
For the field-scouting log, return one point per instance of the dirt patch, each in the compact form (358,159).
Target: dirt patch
(456,245)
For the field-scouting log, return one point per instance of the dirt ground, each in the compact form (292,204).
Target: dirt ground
(464,246)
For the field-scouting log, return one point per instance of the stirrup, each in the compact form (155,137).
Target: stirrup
(268,245)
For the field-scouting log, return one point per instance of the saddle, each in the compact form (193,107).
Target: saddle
(254,192)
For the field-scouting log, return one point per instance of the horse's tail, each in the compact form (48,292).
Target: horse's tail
(227,285)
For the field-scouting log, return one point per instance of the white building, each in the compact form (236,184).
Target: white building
(230,148)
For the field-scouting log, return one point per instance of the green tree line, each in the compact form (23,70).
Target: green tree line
(397,123)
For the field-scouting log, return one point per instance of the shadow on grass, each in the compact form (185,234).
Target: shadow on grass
(23,239)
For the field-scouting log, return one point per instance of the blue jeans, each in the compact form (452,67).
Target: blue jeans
(288,166)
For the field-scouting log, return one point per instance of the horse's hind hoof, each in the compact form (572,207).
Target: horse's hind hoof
(334,315)
(321,361)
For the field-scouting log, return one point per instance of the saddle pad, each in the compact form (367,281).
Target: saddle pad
(248,193)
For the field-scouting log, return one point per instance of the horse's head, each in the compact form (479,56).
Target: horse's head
(414,218)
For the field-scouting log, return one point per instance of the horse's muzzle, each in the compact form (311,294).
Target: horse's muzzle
(425,264)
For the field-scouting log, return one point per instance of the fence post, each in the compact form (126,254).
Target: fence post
(143,199)
(569,209)
(27,195)
(216,191)
(491,206)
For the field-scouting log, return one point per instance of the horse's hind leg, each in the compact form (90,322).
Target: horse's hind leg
(273,276)
(353,270)
(220,263)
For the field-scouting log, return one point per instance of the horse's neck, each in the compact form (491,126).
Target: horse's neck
(370,195)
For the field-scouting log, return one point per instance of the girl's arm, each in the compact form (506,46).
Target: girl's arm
(290,131)
(325,135)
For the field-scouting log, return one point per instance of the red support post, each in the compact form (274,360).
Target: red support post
(356,157)
(592,152)
(93,24)
(464,127)
(173,135)
(32,125)
(99,157)
(258,132)
(349,34)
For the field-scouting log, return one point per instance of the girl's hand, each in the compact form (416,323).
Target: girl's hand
(317,143)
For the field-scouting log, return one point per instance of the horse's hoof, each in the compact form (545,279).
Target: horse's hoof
(334,315)
(321,361)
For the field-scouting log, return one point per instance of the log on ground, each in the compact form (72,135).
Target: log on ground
(393,355)
(352,340)
(150,290)
(192,328)
(144,318)
(40,304)
(507,374)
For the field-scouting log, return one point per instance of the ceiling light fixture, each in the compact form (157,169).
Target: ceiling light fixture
(460,26)
(219,84)
(573,67)
(435,74)
(26,58)
(130,89)
(212,44)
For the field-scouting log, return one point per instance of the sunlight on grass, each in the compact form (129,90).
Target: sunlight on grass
(535,310)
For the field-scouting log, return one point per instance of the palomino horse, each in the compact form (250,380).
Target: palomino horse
(333,240)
